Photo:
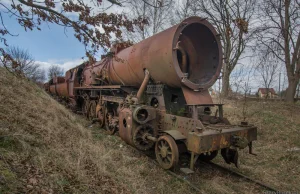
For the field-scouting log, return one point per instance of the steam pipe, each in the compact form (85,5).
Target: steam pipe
(144,84)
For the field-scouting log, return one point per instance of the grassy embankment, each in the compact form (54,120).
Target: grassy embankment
(45,148)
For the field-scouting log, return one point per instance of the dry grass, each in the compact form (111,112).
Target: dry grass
(44,148)
(278,133)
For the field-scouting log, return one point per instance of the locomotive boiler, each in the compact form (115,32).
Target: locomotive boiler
(155,95)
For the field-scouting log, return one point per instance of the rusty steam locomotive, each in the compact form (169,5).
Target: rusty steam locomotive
(155,94)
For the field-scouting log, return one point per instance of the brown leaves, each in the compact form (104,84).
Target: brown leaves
(241,24)
(50,3)
(87,26)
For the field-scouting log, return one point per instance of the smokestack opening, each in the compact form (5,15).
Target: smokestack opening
(198,54)
(182,59)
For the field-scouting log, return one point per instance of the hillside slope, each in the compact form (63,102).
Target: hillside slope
(44,148)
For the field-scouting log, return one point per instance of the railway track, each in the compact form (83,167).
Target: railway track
(185,178)
(239,175)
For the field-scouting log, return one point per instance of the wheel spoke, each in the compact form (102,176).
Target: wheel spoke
(162,144)
(167,152)
(169,158)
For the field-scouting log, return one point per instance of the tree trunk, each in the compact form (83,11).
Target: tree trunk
(291,91)
(225,84)
(298,90)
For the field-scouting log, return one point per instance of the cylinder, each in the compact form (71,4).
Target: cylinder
(187,54)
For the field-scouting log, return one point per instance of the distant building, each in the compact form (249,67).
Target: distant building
(266,92)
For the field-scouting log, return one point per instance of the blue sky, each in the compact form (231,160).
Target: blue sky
(49,44)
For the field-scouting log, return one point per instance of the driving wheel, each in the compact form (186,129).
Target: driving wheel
(101,117)
(166,152)
(140,137)
(85,107)
(92,110)
(110,122)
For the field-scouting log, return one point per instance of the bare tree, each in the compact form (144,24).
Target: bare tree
(245,86)
(24,64)
(55,70)
(232,20)
(156,13)
(236,78)
(298,90)
(184,9)
(267,68)
(280,36)
(40,76)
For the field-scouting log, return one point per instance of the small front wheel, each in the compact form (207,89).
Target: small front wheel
(166,152)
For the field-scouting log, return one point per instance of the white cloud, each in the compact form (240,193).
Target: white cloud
(64,63)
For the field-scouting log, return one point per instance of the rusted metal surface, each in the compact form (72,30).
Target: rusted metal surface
(52,89)
(62,89)
(126,126)
(58,80)
(156,92)
(211,140)
(143,85)
(188,54)
(144,114)
(99,87)
(182,124)
(177,135)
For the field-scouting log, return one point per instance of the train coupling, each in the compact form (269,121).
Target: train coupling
(231,155)
(239,141)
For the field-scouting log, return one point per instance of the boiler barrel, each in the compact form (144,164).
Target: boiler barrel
(187,54)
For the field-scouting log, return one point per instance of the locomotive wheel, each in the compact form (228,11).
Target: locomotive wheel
(108,122)
(166,152)
(101,117)
(85,108)
(72,104)
(207,157)
(92,110)
(140,137)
